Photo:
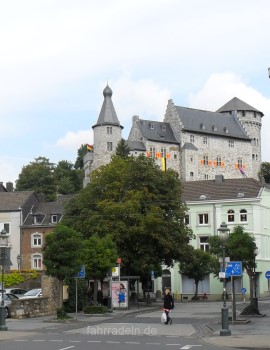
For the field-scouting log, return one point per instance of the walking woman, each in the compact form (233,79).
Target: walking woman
(168,305)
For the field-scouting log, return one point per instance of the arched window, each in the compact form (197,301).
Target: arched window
(36,240)
(230,215)
(37,261)
(243,215)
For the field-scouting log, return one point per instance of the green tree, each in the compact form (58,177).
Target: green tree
(198,266)
(100,256)
(68,179)
(62,254)
(122,149)
(265,171)
(80,154)
(38,176)
(140,206)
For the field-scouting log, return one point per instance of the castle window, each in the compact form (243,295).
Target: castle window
(218,161)
(109,130)
(152,152)
(206,177)
(191,138)
(205,160)
(240,162)
(205,140)
(109,146)
(231,143)
(163,152)
(202,126)
(175,156)
(230,215)
(256,156)
(152,126)
(164,127)
(191,159)
(253,156)
(214,128)
(243,215)
(191,174)
(226,130)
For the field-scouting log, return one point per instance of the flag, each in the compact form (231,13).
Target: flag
(163,162)
(242,171)
(90,148)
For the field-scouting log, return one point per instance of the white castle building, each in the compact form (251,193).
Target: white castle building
(198,144)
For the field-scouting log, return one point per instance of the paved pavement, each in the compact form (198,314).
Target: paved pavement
(191,319)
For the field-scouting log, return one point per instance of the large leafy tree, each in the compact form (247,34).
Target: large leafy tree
(62,254)
(68,179)
(198,266)
(265,171)
(80,154)
(100,256)
(140,206)
(38,176)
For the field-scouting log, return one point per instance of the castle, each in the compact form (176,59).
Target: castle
(198,144)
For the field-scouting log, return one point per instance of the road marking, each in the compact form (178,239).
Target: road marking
(75,341)
(56,340)
(69,347)
(132,342)
(112,342)
(20,340)
(152,343)
(173,345)
(189,346)
(94,341)
(38,339)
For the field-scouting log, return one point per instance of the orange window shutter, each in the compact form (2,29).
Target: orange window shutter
(202,162)
(148,153)
(222,164)
(210,162)
(168,155)
(236,166)
(215,163)
(244,166)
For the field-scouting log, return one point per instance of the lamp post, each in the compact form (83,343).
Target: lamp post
(4,236)
(223,233)
(255,299)
(19,261)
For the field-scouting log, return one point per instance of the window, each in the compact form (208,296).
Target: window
(109,130)
(152,152)
(37,261)
(175,156)
(206,177)
(205,140)
(218,161)
(191,174)
(163,152)
(152,126)
(38,219)
(205,160)
(36,240)
(240,162)
(186,219)
(109,146)
(204,245)
(164,127)
(230,215)
(191,159)
(191,138)
(203,219)
(54,219)
(231,143)
(243,215)
(6,227)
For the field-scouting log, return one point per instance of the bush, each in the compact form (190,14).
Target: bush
(61,314)
(91,309)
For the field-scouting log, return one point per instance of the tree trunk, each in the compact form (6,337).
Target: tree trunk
(95,291)
(60,300)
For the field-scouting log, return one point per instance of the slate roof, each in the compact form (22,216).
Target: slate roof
(107,114)
(212,190)
(10,201)
(46,209)
(136,146)
(235,104)
(157,131)
(190,146)
(214,123)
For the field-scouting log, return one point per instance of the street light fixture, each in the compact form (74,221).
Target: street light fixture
(19,261)
(223,233)
(4,242)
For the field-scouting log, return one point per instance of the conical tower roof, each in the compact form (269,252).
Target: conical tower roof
(235,104)
(107,115)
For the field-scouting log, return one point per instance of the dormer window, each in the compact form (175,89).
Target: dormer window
(164,127)
(54,219)
(152,126)
(38,219)
(202,126)
(214,128)
(226,130)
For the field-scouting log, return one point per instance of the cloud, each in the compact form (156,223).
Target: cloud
(73,140)
(220,88)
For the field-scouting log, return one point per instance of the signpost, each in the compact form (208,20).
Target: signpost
(233,268)
(267,274)
(80,274)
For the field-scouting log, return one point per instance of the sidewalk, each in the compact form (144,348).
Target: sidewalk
(202,317)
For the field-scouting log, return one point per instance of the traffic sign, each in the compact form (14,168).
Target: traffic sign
(243,290)
(234,268)
(267,274)
(81,274)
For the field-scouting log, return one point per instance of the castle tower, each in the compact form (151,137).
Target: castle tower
(107,133)
(251,120)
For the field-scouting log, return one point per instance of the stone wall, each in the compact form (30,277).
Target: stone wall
(26,308)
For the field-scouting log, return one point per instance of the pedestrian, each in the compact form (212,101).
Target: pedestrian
(168,305)
(100,297)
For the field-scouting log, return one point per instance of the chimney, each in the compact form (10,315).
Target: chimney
(9,186)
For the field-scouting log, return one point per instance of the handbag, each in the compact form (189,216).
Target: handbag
(163,317)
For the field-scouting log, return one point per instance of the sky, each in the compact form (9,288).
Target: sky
(56,57)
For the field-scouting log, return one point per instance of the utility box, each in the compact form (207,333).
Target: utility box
(65,292)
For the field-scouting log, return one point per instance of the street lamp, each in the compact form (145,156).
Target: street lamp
(19,261)
(255,299)
(4,241)
(223,233)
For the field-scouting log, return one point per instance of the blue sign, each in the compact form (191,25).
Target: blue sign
(243,290)
(81,274)
(234,268)
(267,274)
